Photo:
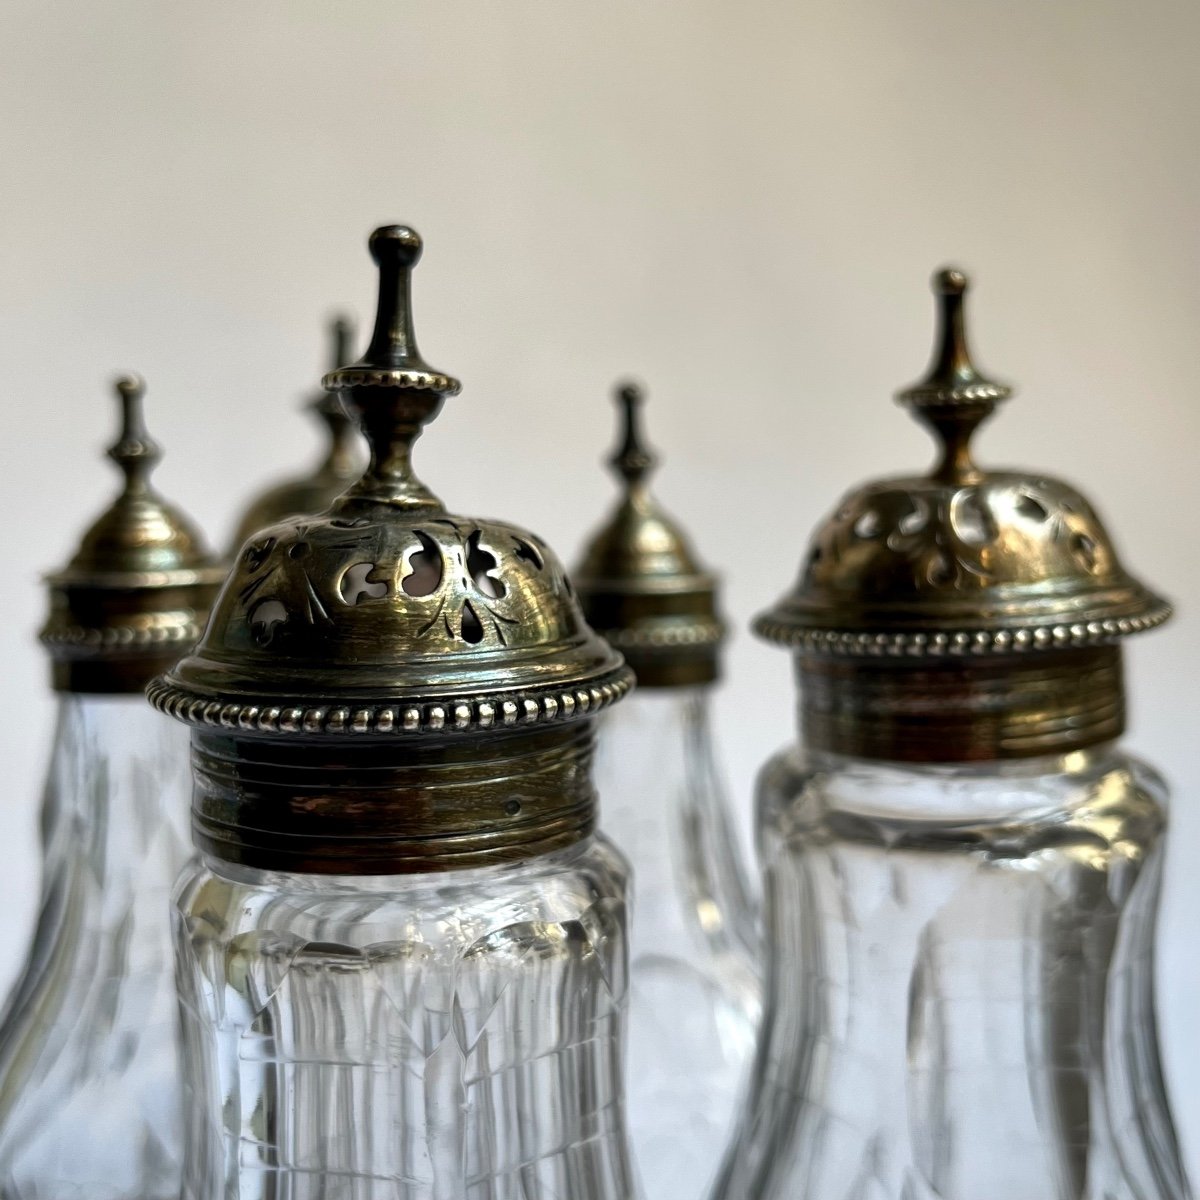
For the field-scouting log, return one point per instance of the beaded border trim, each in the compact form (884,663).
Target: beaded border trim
(349,377)
(961,643)
(667,637)
(87,640)
(462,715)
(926,395)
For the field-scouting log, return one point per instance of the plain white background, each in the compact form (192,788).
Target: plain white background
(739,203)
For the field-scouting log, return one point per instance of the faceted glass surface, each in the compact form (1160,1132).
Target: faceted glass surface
(450,1036)
(960,997)
(694,990)
(89,1099)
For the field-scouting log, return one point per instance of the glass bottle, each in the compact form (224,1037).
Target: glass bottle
(962,866)
(694,988)
(340,465)
(401,948)
(89,1087)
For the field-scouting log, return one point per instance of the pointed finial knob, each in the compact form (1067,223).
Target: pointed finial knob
(392,358)
(954,398)
(134,451)
(391,390)
(632,459)
(396,249)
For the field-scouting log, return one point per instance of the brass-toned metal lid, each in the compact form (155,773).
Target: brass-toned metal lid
(387,615)
(640,582)
(138,590)
(340,466)
(962,562)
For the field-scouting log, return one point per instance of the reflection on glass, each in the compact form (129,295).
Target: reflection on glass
(450,1036)
(694,991)
(89,1103)
(960,995)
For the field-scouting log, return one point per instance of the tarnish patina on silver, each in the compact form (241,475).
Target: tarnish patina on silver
(957,614)
(389,618)
(137,592)
(640,582)
(340,465)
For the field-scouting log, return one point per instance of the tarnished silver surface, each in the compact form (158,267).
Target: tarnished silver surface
(964,560)
(137,591)
(1008,570)
(387,615)
(640,582)
(387,687)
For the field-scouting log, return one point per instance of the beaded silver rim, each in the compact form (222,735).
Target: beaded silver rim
(960,643)
(666,636)
(81,639)
(466,715)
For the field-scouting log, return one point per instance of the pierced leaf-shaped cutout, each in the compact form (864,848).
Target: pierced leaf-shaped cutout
(971,519)
(529,553)
(257,553)
(1085,550)
(481,564)
(356,584)
(1030,508)
(264,617)
(472,627)
(424,567)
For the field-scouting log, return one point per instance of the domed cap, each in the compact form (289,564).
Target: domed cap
(962,562)
(387,615)
(138,590)
(340,466)
(640,583)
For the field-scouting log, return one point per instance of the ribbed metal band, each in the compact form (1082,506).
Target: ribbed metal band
(962,711)
(363,809)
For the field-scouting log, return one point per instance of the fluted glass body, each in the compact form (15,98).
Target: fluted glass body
(694,991)
(89,1084)
(960,998)
(441,1036)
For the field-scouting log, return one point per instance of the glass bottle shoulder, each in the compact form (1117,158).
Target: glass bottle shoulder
(361,910)
(1104,788)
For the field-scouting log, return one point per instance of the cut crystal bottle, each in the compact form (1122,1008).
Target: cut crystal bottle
(694,987)
(445,1034)
(89,1064)
(961,867)
(401,951)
